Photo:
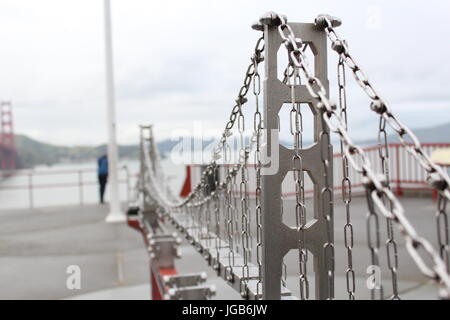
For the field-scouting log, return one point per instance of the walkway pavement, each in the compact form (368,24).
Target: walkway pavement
(36,247)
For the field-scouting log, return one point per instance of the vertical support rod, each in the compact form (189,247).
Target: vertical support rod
(115,214)
(146,200)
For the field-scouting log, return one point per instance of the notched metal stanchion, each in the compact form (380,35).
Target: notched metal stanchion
(278,239)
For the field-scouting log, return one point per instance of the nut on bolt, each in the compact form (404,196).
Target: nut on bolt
(436,182)
(258,26)
(322,23)
(339,46)
(378,106)
(271,19)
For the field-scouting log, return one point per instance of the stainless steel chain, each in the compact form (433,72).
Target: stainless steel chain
(326,197)
(346,187)
(373,183)
(243,194)
(373,242)
(257,128)
(237,235)
(437,177)
(442,230)
(230,226)
(216,201)
(391,244)
(208,224)
(218,150)
(296,129)
(379,195)
(294,46)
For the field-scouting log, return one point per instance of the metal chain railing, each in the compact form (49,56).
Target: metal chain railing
(219,211)
(236,114)
(374,184)
(296,130)
(257,128)
(346,186)
(214,195)
(442,230)
(391,244)
(438,178)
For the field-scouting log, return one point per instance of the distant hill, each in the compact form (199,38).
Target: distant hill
(438,134)
(32,152)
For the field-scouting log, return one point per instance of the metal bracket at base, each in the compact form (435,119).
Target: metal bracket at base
(187,287)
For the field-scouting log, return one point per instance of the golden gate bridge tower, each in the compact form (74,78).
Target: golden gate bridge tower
(8,152)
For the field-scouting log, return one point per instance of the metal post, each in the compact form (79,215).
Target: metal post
(115,214)
(149,207)
(278,239)
(145,195)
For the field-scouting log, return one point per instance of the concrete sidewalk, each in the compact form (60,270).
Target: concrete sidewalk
(36,247)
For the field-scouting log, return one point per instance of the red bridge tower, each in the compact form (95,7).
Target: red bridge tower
(8,154)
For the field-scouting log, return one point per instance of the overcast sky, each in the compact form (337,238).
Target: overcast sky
(182,61)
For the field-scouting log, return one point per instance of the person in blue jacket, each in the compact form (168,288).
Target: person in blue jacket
(102,172)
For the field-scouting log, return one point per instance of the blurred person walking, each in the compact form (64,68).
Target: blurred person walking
(102,172)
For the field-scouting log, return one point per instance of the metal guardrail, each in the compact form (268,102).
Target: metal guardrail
(80,182)
(406,174)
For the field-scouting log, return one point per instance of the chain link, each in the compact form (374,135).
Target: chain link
(258,127)
(296,129)
(373,242)
(346,187)
(442,230)
(230,226)
(391,244)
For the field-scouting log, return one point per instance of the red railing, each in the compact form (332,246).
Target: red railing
(405,173)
